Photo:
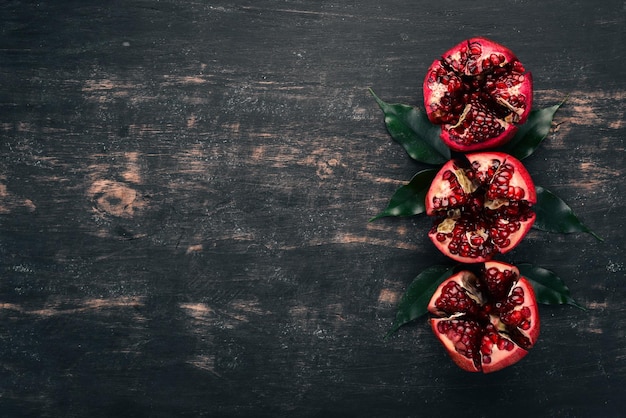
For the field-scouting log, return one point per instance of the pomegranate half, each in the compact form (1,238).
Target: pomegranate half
(478,92)
(486,319)
(482,206)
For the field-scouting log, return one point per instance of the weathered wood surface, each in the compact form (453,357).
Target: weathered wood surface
(184,195)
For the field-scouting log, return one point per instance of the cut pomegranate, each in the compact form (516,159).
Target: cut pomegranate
(478,92)
(482,206)
(486,320)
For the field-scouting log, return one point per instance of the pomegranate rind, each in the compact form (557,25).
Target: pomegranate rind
(447,341)
(441,189)
(452,141)
(473,74)
(469,227)
(495,332)
(503,358)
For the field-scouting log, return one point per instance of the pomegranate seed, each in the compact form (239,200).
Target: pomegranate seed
(517,296)
(505,243)
(505,344)
(495,59)
(477,240)
(476,48)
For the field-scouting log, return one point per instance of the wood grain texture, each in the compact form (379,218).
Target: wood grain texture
(184,195)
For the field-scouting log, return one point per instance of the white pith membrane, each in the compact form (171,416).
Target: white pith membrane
(481,336)
(497,213)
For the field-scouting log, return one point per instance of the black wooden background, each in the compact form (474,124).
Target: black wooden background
(185,188)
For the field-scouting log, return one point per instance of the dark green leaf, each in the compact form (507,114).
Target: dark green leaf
(411,128)
(553,215)
(530,135)
(408,200)
(415,300)
(549,288)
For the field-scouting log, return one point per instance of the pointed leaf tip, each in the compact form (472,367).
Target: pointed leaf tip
(554,215)
(411,128)
(409,199)
(549,288)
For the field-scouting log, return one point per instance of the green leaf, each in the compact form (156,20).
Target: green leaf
(414,302)
(549,288)
(530,135)
(408,200)
(411,128)
(553,215)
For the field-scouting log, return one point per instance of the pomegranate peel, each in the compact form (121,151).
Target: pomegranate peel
(482,206)
(478,91)
(487,319)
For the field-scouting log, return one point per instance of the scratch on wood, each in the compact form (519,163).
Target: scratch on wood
(193,160)
(204,362)
(142,129)
(236,313)
(197,248)
(388,296)
(105,89)
(399,230)
(600,170)
(357,239)
(133,170)
(320,322)
(197,310)
(8,201)
(592,108)
(597,305)
(321,14)
(248,306)
(86,305)
(197,79)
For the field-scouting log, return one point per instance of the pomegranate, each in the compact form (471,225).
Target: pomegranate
(482,206)
(478,92)
(488,319)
